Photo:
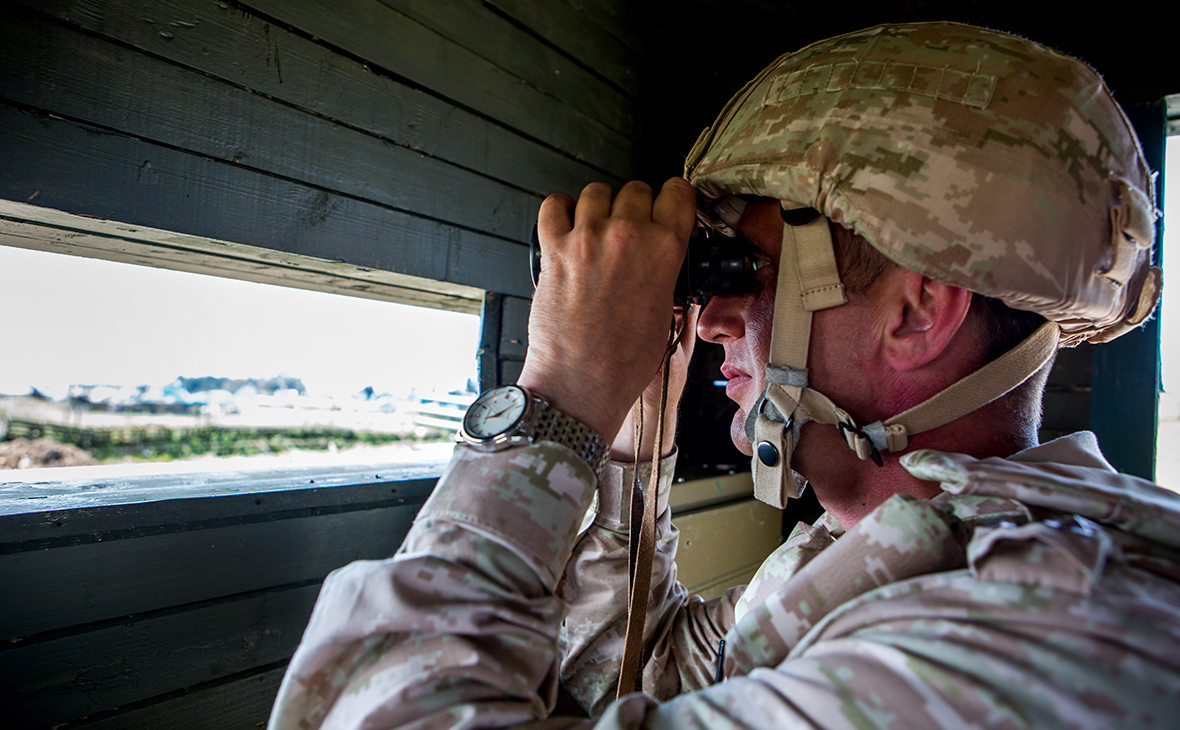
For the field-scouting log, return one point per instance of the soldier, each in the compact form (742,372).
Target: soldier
(934,209)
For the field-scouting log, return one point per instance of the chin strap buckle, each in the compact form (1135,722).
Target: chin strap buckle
(773,429)
(774,482)
(862,442)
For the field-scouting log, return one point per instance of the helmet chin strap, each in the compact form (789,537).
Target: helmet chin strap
(808,281)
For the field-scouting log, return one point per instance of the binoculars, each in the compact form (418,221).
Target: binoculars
(714,265)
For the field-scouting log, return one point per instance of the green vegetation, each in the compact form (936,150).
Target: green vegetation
(163,443)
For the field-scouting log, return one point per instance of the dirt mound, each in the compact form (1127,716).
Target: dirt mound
(22,453)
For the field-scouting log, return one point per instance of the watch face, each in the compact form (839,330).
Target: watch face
(495,412)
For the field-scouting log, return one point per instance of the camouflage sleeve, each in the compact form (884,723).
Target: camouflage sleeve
(459,628)
(682,633)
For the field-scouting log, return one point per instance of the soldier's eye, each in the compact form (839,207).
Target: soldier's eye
(763,264)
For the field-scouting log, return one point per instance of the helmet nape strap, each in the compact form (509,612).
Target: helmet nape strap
(981,387)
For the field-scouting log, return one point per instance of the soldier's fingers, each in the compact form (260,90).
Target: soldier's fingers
(675,207)
(553,219)
(633,202)
(593,204)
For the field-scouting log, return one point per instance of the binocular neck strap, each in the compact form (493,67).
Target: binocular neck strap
(981,387)
(642,543)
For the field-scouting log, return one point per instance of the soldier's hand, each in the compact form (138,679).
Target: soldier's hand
(599,322)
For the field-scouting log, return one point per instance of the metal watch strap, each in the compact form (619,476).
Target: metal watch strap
(549,424)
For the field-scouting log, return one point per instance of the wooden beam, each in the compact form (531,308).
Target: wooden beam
(240,703)
(47,508)
(85,171)
(425,58)
(44,229)
(58,70)
(514,328)
(623,19)
(70,586)
(224,42)
(492,37)
(489,341)
(119,663)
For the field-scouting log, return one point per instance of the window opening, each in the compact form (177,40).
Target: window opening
(145,371)
(1167,457)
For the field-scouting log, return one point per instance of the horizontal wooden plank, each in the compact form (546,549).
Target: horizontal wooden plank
(50,682)
(489,35)
(223,41)
(569,28)
(43,229)
(80,584)
(719,541)
(364,28)
(74,506)
(56,69)
(241,704)
(85,171)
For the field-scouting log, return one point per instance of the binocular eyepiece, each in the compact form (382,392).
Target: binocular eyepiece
(713,265)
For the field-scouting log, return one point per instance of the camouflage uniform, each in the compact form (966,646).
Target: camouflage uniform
(1038,591)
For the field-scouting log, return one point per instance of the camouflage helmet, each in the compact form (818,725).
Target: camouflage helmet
(973,157)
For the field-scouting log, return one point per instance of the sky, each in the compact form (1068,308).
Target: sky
(68,320)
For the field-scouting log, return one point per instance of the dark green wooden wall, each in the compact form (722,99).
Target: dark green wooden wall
(182,611)
(337,141)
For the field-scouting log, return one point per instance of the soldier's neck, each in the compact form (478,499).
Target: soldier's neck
(849,488)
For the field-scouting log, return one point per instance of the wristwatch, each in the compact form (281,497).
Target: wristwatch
(510,415)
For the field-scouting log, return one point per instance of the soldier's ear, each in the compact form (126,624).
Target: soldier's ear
(922,318)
